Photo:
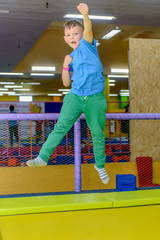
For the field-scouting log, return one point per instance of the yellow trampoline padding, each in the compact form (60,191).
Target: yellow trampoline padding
(25,205)
(135,198)
(83,201)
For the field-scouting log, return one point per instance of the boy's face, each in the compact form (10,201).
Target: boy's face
(73,35)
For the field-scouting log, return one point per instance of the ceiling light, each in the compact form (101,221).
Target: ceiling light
(42,74)
(95,17)
(112,33)
(1,94)
(113,95)
(119,70)
(55,94)
(7,83)
(97,43)
(64,90)
(21,89)
(11,74)
(112,84)
(124,94)
(3,89)
(111,80)
(118,76)
(6,92)
(122,90)
(14,94)
(4,11)
(31,83)
(14,86)
(65,93)
(42,68)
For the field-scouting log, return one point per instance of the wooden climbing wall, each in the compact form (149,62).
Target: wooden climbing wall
(144,65)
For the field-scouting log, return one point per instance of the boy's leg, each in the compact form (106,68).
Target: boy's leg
(70,112)
(95,113)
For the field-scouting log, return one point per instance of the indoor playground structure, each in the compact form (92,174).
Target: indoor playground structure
(60,189)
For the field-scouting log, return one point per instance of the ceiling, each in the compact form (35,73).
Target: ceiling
(32,34)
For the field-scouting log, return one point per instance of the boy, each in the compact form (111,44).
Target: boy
(13,127)
(84,68)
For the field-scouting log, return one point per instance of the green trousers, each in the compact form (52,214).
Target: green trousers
(94,108)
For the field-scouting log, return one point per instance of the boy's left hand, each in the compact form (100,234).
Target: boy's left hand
(83,8)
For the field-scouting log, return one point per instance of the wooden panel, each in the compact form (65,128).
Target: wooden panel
(144,65)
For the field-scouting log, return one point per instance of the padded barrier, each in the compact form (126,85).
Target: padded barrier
(84,201)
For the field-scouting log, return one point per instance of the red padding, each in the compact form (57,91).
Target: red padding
(144,167)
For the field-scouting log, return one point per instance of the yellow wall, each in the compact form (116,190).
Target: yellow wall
(43,98)
(114,107)
(35,98)
(16,180)
(8,98)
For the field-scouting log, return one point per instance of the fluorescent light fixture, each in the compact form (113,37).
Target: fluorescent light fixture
(64,90)
(25,98)
(118,76)
(1,94)
(43,68)
(95,17)
(122,90)
(55,94)
(119,70)
(113,95)
(6,92)
(14,86)
(42,74)
(31,83)
(4,11)
(112,84)
(97,43)
(3,89)
(11,74)
(21,89)
(112,80)
(124,94)
(7,83)
(14,94)
(65,93)
(112,33)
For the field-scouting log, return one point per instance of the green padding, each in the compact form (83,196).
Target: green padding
(25,205)
(135,198)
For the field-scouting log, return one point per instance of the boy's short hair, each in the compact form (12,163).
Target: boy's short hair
(73,23)
(11,108)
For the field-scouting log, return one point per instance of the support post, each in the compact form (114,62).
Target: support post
(77,155)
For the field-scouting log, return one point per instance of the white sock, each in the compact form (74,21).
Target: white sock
(37,162)
(103,175)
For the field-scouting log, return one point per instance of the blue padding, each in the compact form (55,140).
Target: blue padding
(53,107)
(125,182)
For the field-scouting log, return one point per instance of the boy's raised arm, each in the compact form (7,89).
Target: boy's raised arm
(88,34)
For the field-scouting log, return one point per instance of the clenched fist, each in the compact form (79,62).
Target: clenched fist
(67,61)
(83,8)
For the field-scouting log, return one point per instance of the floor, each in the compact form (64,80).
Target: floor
(127,223)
